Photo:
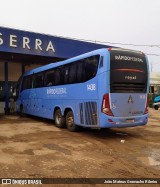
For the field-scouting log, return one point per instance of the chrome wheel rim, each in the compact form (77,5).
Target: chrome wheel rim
(70,121)
(58,119)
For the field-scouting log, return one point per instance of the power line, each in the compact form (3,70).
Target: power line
(96,41)
(116,43)
(138,45)
(105,42)
(113,43)
(150,54)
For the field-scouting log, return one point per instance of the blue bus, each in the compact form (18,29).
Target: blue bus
(105,88)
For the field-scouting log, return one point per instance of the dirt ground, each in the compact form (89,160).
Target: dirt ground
(34,148)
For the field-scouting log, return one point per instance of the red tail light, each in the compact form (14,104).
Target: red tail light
(106,105)
(147,105)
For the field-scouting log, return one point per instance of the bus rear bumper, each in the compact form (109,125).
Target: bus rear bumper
(120,122)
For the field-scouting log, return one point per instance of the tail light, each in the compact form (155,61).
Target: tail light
(106,105)
(147,105)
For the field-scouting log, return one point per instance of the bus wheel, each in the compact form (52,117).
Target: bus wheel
(156,107)
(59,119)
(71,126)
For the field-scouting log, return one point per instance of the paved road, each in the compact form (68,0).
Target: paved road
(33,147)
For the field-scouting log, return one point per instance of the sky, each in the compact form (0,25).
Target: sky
(113,22)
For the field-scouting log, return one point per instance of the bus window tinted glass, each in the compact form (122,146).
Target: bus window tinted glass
(38,80)
(72,73)
(80,72)
(49,78)
(27,82)
(57,77)
(91,65)
(128,72)
(66,74)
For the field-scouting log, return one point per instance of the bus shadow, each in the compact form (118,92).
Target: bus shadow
(113,133)
(103,133)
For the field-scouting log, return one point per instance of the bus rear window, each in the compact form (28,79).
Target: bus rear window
(128,72)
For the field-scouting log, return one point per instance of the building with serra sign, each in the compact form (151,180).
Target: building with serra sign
(22,50)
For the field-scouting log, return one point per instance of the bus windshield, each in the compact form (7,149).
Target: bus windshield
(128,72)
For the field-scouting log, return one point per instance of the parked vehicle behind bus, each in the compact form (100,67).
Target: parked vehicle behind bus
(104,88)
(156,103)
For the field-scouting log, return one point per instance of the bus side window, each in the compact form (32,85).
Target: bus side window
(66,74)
(38,80)
(49,78)
(27,82)
(72,73)
(91,65)
(63,74)
(57,77)
(80,72)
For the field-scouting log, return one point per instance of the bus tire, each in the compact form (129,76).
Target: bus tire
(59,119)
(156,107)
(71,126)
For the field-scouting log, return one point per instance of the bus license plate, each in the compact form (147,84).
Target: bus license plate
(130,120)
